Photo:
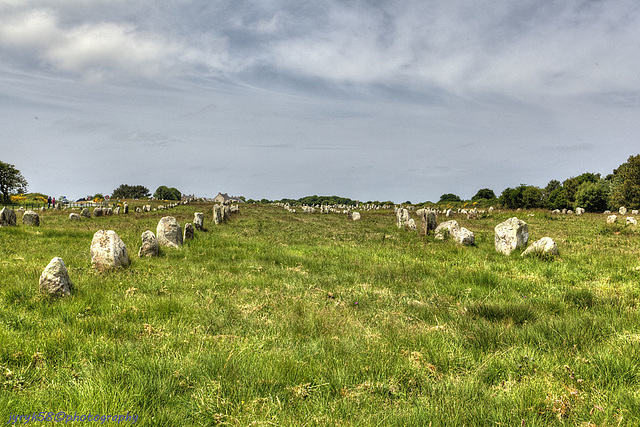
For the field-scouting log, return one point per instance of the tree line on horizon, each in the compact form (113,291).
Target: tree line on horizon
(589,190)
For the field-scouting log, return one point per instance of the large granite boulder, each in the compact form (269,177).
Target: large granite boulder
(149,246)
(631,221)
(451,229)
(169,232)
(31,218)
(198,221)
(108,251)
(218,214)
(355,216)
(74,216)
(189,232)
(98,212)
(85,213)
(510,235)
(54,280)
(7,217)
(611,219)
(544,247)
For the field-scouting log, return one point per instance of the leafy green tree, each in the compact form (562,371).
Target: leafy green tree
(130,192)
(625,184)
(558,199)
(593,196)
(11,182)
(484,194)
(449,197)
(571,185)
(523,196)
(165,193)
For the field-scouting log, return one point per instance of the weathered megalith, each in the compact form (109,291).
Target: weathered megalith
(622,210)
(218,214)
(541,248)
(198,221)
(149,246)
(464,237)
(108,251)
(85,213)
(54,280)
(453,230)
(579,211)
(138,209)
(74,216)
(402,216)
(189,232)
(7,217)
(410,225)
(631,221)
(125,208)
(169,232)
(31,218)
(116,210)
(98,212)
(355,216)
(612,219)
(511,235)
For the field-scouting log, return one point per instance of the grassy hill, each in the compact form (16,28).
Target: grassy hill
(306,319)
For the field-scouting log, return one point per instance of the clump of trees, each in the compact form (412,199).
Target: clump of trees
(449,197)
(11,182)
(130,192)
(588,190)
(165,193)
(320,200)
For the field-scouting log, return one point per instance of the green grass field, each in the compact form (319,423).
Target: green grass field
(306,319)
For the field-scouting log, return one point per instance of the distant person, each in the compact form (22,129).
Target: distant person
(49,202)
(53,202)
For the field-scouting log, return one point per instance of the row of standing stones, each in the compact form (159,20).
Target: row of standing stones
(510,235)
(108,251)
(8,216)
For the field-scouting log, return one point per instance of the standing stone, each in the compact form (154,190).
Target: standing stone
(74,216)
(579,211)
(149,246)
(402,216)
(453,230)
(510,235)
(108,251)
(7,217)
(169,232)
(198,221)
(612,219)
(108,211)
(634,212)
(446,229)
(189,232)
(218,214)
(448,214)
(54,280)
(234,209)
(410,225)
(98,212)
(138,209)
(545,246)
(622,210)
(355,216)
(85,213)
(31,218)
(631,221)
(464,237)
(116,211)
(125,208)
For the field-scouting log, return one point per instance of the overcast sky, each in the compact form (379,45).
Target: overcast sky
(373,100)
